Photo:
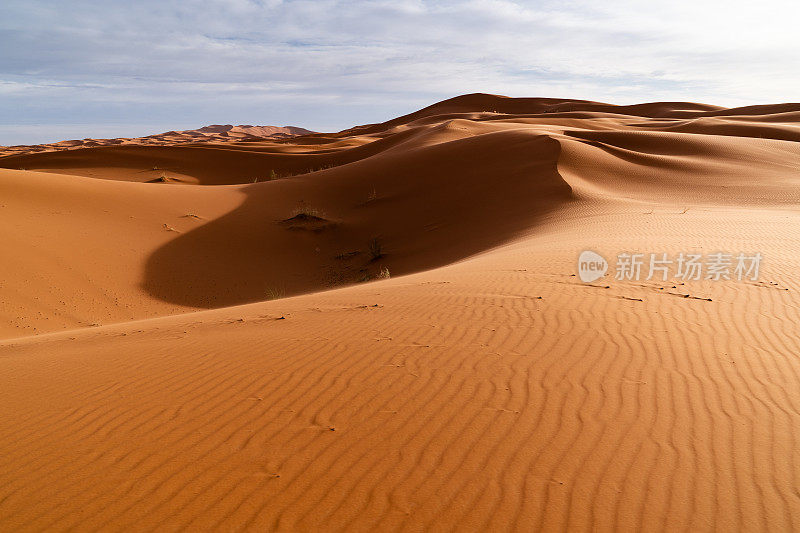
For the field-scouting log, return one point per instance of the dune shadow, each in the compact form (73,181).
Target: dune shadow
(425,207)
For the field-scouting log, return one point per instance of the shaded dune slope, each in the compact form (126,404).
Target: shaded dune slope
(321,229)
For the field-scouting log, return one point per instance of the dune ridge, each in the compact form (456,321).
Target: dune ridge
(206,134)
(213,352)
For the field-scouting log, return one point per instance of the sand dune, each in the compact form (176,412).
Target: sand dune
(217,350)
(214,133)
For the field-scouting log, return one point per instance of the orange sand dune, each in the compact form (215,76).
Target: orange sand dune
(210,134)
(179,355)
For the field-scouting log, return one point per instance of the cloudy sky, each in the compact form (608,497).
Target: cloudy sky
(106,68)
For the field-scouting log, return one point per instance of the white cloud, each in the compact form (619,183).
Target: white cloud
(327,64)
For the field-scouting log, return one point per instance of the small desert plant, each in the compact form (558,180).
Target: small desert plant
(373,195)
(308,212)
(270,177)
(384,273)
(275,293)
(375,249)
(321,167)
(347,255)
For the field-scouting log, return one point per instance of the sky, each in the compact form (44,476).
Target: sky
(110,68)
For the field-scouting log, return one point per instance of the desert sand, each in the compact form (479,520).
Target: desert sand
(202,335)
(215,133)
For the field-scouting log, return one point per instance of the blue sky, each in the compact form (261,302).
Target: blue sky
(88,68)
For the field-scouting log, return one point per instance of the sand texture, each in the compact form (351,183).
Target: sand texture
(201,335)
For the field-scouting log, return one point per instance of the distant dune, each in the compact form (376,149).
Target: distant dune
(259,328)
(206,134)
